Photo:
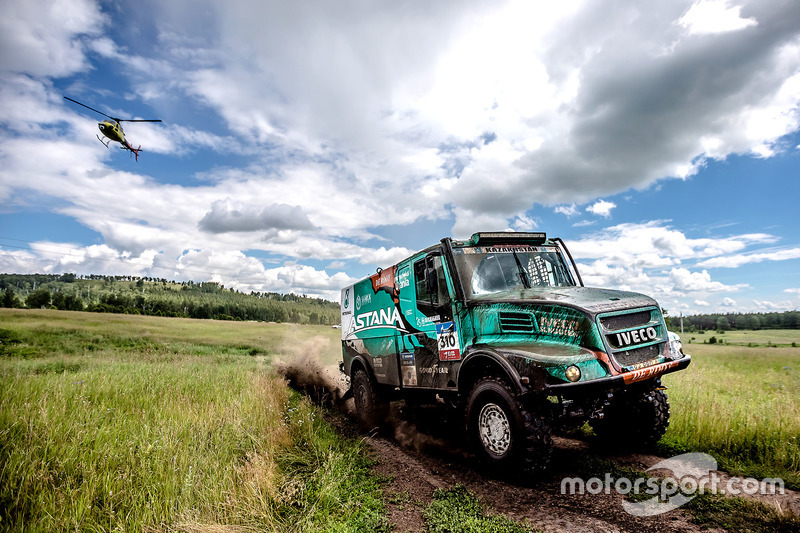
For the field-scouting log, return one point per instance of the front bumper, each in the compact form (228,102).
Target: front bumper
(619,381)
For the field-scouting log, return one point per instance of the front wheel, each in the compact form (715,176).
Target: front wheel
(503,432)
(634,419)
(371,409)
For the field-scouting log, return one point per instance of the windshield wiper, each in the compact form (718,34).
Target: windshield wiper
(523,274)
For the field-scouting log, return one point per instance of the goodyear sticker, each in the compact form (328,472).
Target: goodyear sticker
(447,339)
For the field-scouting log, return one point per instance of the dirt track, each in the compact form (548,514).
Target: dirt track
(420,459)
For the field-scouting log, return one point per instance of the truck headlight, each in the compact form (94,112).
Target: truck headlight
(674,345)
(573,373)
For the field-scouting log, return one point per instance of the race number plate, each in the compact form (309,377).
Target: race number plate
(447,338)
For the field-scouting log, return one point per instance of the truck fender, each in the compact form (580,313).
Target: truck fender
(477,362)
(359,361)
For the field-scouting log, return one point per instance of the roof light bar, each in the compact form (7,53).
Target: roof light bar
(508,237)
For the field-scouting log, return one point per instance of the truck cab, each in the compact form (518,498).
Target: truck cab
(501,327)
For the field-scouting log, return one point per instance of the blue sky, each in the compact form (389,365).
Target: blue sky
(306,143)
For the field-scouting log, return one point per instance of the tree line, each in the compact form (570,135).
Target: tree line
(159,297)
(736,321)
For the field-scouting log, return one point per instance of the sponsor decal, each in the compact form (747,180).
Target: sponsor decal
(648,372)
(505,249)
(637,336)
(558,326)
(403,279)
(408,369)
(447,339)
(346,298)
(371,319)
(435,369)
(384,278)
(643,364)
(425,320)
(363,300)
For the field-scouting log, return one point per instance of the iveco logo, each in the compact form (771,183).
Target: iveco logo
(637,336)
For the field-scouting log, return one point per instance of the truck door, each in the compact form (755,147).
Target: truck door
(430,346)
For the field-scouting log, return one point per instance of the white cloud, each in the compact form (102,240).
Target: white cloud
(734,261)
(524,223)
(728,302)
(792,291)
(227,215)
(351,118)
(784,305)
(714,16)
(43,37)
(568,210)
(701,303)
(601,208)
(685,281)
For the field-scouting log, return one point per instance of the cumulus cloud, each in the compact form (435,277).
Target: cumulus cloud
(601,208)
(568,210)
(766,305)
(470,112)
(686,281)
(228,216)
(734,261)
(41,37)
(714,16)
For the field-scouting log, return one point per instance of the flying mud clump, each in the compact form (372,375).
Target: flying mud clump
(302,367)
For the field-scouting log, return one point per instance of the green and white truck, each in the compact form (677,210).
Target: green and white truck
(501,327)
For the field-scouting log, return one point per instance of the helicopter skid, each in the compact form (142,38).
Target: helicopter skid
(101,141)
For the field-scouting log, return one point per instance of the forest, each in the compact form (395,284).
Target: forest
(736,321)
(159,297)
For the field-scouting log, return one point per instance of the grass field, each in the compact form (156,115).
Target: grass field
(742,405)
(763,337)
(136,423)
(111,422)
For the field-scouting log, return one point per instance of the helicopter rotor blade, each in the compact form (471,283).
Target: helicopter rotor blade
(93,109)
(137,120)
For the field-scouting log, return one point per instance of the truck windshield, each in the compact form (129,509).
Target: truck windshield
(492,269)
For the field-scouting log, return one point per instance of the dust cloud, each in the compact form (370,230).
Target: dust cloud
(309,368)
(302,365)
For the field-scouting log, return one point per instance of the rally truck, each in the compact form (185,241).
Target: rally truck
(501,328)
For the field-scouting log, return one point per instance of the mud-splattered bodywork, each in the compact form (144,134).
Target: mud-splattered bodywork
(512,303)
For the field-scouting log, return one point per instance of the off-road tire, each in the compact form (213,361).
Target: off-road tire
(503,432)
(371,408)
(634,420)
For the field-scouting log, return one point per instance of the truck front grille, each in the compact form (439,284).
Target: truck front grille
(637,355)
(628,320)
(634,336)
(516,322)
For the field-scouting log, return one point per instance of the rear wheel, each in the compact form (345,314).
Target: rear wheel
(503,432)
(634,419)
(371,409)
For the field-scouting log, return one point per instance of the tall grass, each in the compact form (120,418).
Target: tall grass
(741,405)
(103,430)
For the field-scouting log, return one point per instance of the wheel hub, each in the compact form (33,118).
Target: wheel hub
(494,429)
